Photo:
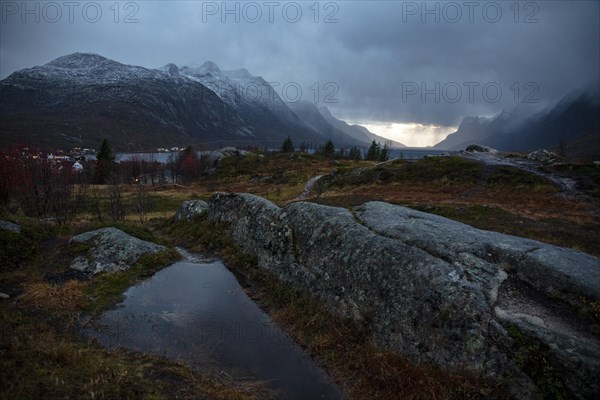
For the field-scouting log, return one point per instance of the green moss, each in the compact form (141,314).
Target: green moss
(535,360)
(18,248)
(517,178)
(75,249)
(441,170)
(239,165)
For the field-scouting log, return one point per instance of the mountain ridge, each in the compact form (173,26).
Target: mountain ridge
(81,98)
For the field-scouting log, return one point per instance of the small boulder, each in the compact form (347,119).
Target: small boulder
(478,148)
(217,155)
(191,208)
(111,250)
(543,156)
(9,226)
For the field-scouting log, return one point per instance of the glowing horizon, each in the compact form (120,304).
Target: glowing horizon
(410,134)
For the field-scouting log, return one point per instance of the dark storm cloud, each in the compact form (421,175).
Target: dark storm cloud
(378,55)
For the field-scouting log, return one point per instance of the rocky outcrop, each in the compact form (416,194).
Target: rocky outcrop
(434,290)
(110,250)
(544,156)
(191,208)
(9,226)
(477,148)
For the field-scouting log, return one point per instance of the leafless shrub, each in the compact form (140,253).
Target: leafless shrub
(116,199)
(142,202)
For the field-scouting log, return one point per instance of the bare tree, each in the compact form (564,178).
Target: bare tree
(115,196)
(95,203)
(142,202)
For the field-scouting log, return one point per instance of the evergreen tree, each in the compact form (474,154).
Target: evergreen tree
(384,154)
(288,145)
(328,149)
(354,153)
(105,162)
(374,151)
(105,152)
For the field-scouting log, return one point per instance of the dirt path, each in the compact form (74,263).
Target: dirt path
(308,187)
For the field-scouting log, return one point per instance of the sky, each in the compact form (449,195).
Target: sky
(407,70)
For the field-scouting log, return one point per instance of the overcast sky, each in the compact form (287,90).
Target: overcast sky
(403,69)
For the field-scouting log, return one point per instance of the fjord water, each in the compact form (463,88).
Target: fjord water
(196,311)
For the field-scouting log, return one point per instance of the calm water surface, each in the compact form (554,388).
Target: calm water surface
(196,311)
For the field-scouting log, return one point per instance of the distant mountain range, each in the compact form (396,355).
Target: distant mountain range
(79,99)
(571,127)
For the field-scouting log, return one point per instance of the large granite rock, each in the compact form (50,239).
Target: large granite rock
(111,250)
(434,290)
(191,208)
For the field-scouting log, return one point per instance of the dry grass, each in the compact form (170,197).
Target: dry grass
(67,298)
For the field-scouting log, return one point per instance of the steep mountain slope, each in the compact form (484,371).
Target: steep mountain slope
(309,113)
(355,131)
(571,118)
(571,127)
(470,130)
(255,101)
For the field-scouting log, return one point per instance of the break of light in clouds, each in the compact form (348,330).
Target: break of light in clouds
(411,134)
(396,63)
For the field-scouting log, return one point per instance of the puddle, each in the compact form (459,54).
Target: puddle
(196,311)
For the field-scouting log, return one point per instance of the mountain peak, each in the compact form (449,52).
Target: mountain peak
(209,67)
(170,68)
(78,60)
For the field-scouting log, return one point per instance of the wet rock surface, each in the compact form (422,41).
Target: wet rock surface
(9,226)
(110,250)
(432,289)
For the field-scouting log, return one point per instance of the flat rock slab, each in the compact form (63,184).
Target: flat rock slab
(111,250)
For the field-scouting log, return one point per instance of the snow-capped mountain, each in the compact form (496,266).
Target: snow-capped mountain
(82,98)
(256,101)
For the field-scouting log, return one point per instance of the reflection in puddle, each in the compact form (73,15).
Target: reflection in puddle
(196,311)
